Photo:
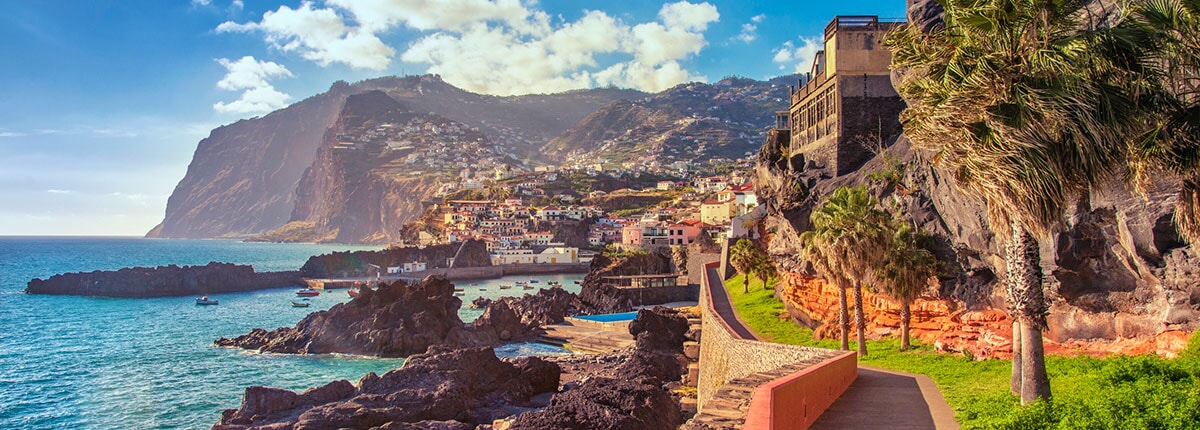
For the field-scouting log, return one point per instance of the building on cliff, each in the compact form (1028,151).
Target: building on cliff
(847,104)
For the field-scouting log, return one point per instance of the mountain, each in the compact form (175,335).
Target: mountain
(243,178)
(687,123)
(354,163)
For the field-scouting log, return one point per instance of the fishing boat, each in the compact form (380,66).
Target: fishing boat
(533,281)
(521,283)
(458,290)
(577,282)
(204,301)
(459,293)
(527,287)
(353,292)
(505,287)
(308,292)
(296,304)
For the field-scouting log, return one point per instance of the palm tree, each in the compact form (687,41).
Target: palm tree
(1017,102)
(1173,142)
(846,243)
(906,271)
(744,256)
(764,269)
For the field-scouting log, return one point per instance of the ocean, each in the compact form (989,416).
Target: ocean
(104,363)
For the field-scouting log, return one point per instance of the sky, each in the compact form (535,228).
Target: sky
(104,101)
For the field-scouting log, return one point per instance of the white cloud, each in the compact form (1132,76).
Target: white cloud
(252,77)
(750,30)
(319,35)
(201,2)
(500,47)
(237,4)
(688,16)
(798,59)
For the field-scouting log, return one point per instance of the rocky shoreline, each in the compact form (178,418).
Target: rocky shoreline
(404,318)
(163,281)
(470,388)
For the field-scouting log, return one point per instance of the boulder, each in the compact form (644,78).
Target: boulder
(163,281)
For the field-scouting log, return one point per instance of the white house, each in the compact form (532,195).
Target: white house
(415,266)
(512,256)
(559,255)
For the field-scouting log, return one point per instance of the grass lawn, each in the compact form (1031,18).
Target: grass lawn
(1119,392)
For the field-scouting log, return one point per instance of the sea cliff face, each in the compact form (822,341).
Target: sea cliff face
(1116,270)
(163,281)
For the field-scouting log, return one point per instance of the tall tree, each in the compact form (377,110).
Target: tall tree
(1019,104)
(848,240)
(906,271)
(743,255)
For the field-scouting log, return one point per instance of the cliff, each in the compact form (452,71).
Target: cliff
(242,176)
(163,281)
(1116,270)
(245,178)
(599,297)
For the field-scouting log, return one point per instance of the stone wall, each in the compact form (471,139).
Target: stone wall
(724,357)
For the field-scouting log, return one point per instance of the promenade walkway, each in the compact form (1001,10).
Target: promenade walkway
(877,399)
(883,399)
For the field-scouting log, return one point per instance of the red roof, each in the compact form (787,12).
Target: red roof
(743,188)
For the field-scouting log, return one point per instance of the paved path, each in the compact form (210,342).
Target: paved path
(883,399)
(724,307)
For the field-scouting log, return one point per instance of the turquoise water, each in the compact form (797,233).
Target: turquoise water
(623,316)
(81,362)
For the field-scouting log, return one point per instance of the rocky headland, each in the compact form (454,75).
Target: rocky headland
(472,253)
(163,281)
(404,318)
(471,388)
(599,297)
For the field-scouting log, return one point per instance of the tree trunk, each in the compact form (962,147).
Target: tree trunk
(1015,381)
(1025,295)
(746,283)
(905,318)
(1035,384)
(843,319)
(860,323)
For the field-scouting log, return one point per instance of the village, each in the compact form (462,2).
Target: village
(532,226)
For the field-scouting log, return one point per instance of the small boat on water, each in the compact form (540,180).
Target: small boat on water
(353,292)
(308,292)
(577,282)
(459,293)
(296,304)
(533,281)
(527,287)
(204,301)
(457,290)
(505,287)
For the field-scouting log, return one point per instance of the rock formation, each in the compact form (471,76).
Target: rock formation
(441,389)
(1117,269)
(598,297)
(472,253)
(163,281)
(625,392)
(402,318)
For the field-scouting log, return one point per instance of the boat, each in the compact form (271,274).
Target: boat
(527,287)
(296,304)
(522,283)
(353,292)
(577,282)
(533,281)
(459,290)
(204,301)
(459,293)
(308,292)
(505,287)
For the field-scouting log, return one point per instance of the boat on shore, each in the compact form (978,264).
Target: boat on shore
(308,292)
(204,301)
(296,304)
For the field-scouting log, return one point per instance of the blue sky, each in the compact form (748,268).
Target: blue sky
(105,101)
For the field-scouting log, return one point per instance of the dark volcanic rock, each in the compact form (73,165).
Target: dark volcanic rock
(163,281)
(480,303)
(442,389)
(595,297)
(628,393)
(472,253)
(404,318)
